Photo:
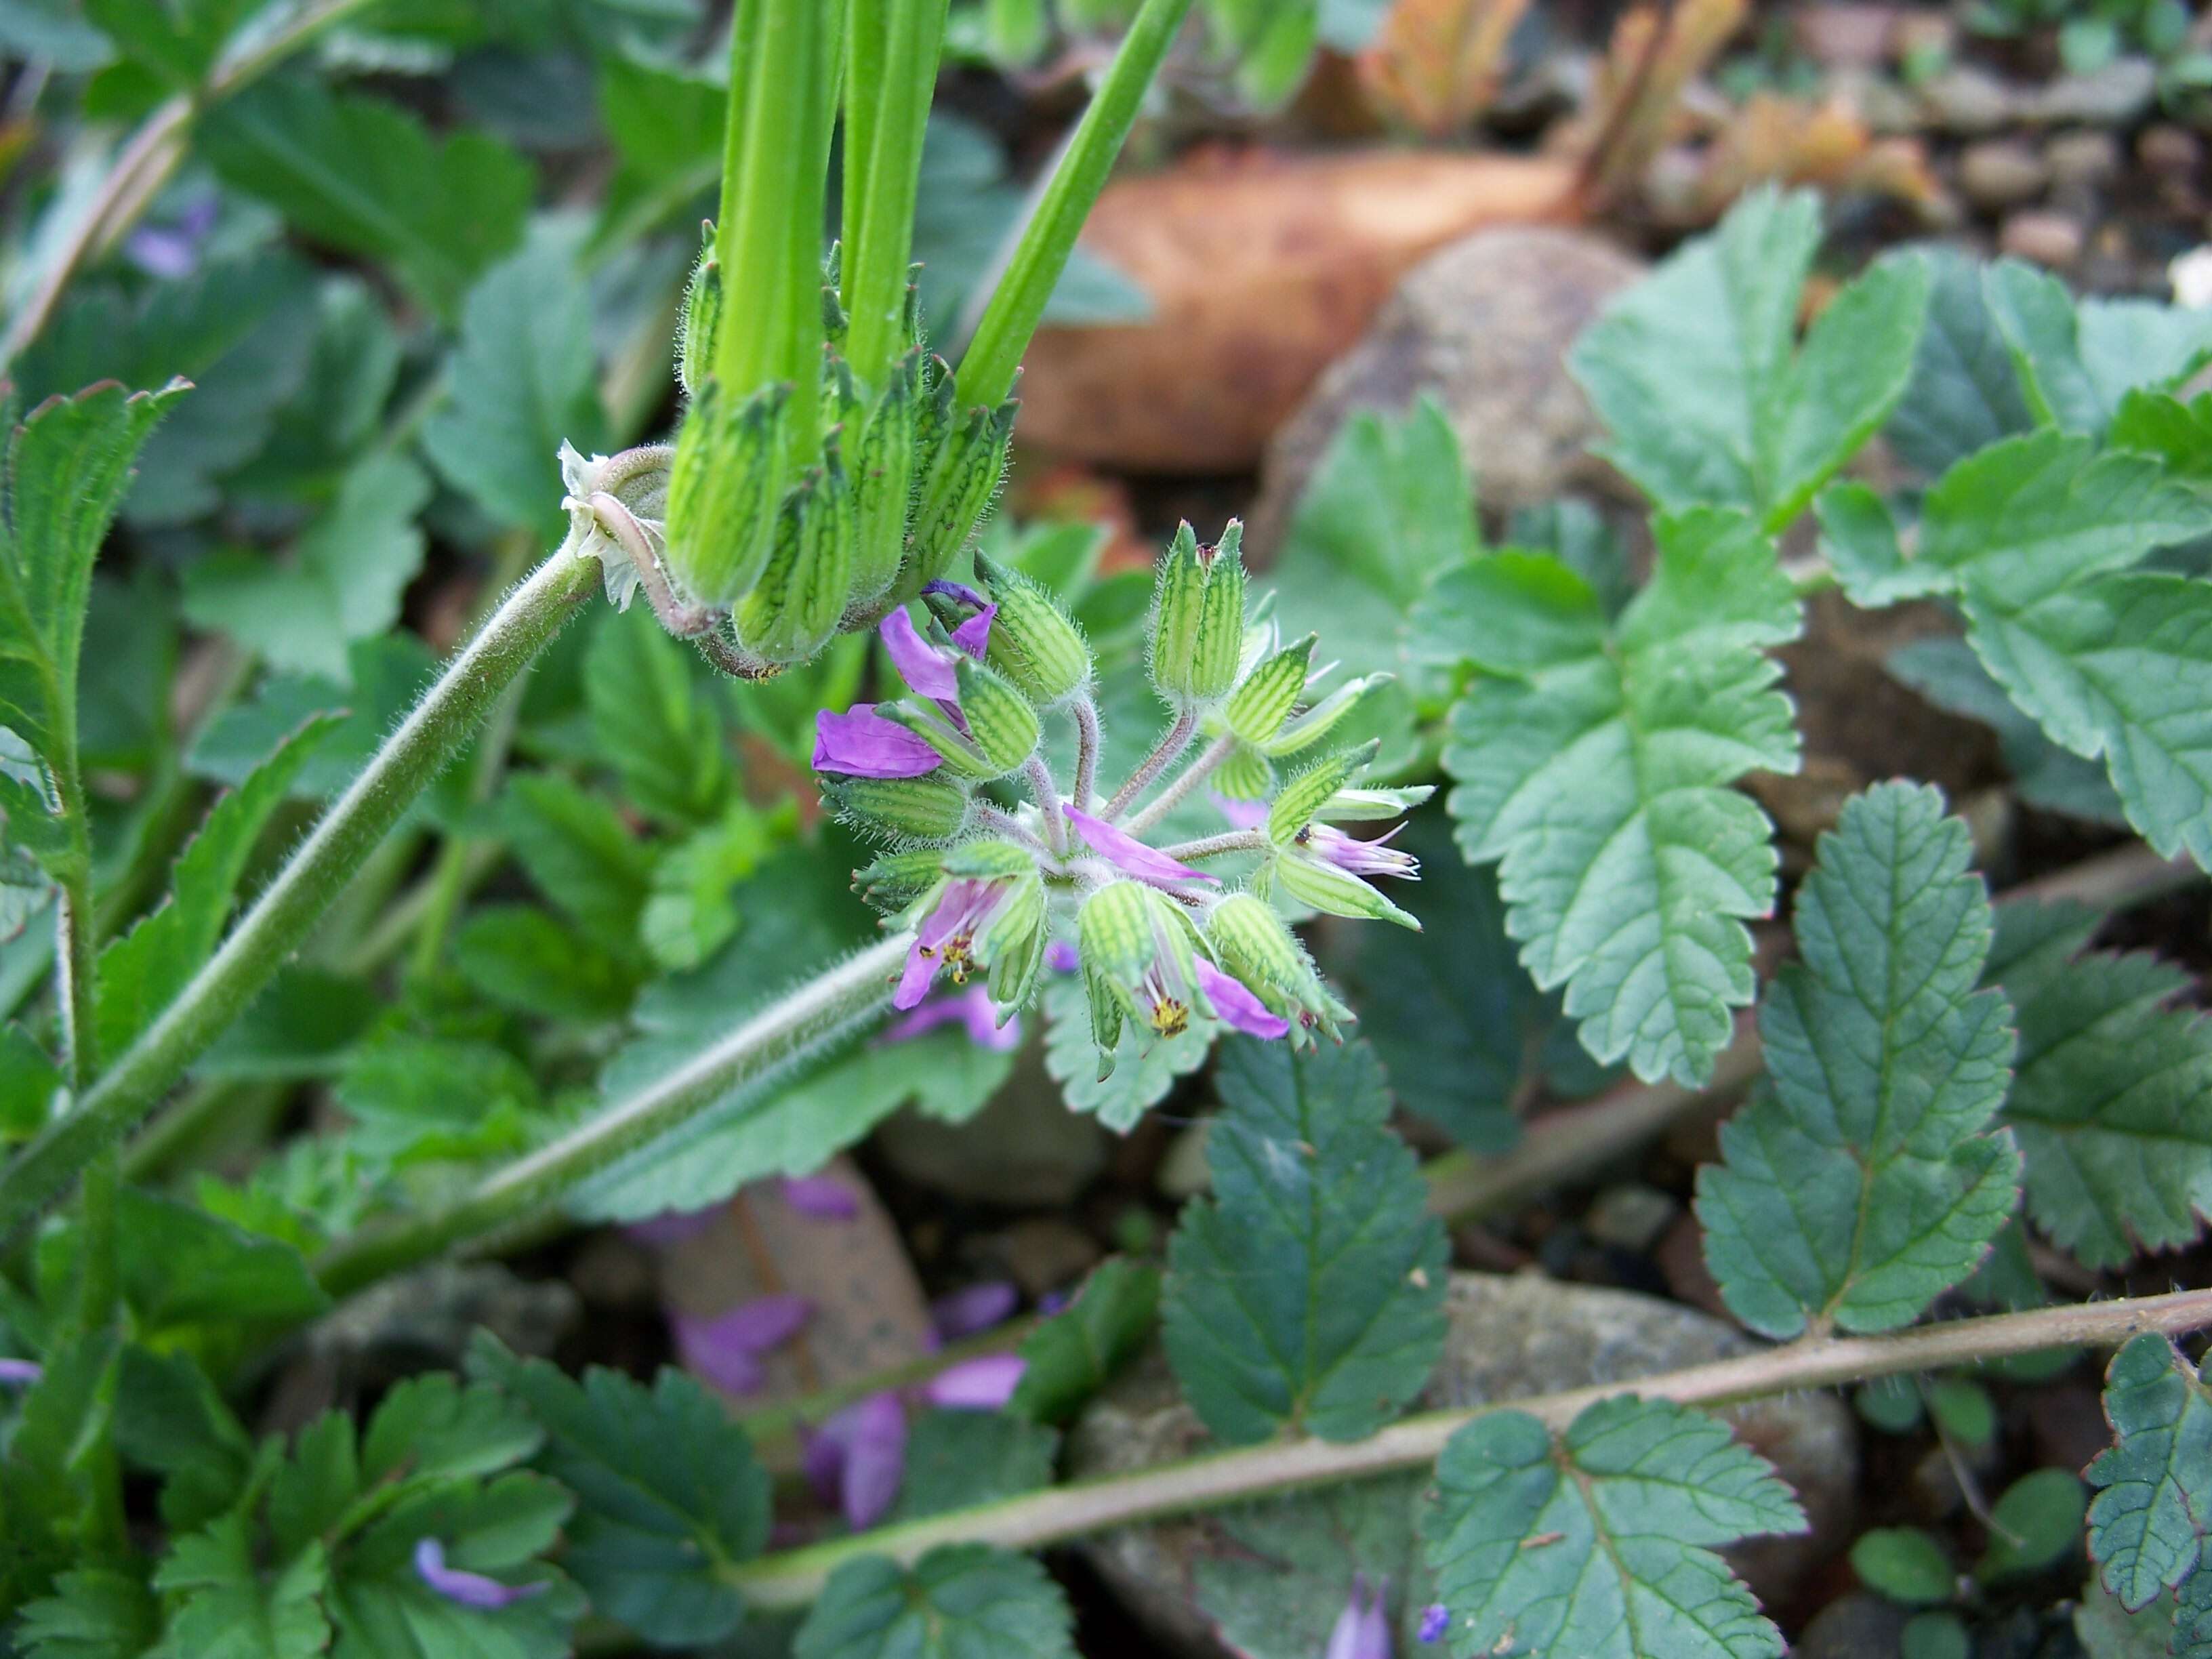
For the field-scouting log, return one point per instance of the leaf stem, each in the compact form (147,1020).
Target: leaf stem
(825,1008)
(1046,787)
(1208,762)
(282,918)
(793,1579)
(1170,749)
(1214,846)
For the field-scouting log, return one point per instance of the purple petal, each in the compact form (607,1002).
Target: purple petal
(858,1457)
(670,1227)
(725,1348)
(1131,856)
(1062,957)
(22,1373)
(983,1384)
(1236,1005)
(1053,1302)
(913,979)
(973,636)
(919,664)
(1242,814)
(468,1589)
(972,1008)
(1436,1619)
(159,252)
(825,1197)
(1361,1630)
(961,593)
(862,744)
(1361,858)
(975,1308)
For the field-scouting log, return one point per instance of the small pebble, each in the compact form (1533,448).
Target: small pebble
(1630,1217)
(2083,160)
(2117,95)
(2170,150)
(1968,100)
(2046,239)
(1845,35)
(2001,173)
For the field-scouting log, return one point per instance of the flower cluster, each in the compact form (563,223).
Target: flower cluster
(997,869)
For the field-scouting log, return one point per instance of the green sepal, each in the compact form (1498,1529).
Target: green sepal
(1001,720)
(894,881)
(703,313)
(957,751)
(1308,727)
(1337,892)
(1252,943)
(1372,805)
(1015,970)
(834,319)
(1178,596)
(1305,795)
(986,860)
(930,808)
(795,606)
(883,483)
(1259,707)
(1113,930)
(1245,776)
(724,488)
(1033,642)
(1220,643)
(961,483)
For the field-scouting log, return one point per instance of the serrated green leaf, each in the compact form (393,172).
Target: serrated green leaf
(331,416)
(2178,434)
(228,1608)
(2154,1502)
(1948,674)
(583,857)
(2107,1094)
(1963,394)
(94,1613)
(1861,1184)
(50,1498)
(1145,1067)
(69,464)
(690,911)
(1278,1573)
(416,1099)
(521,381)
(142,972)
(366,177)
(651,717)
(431,1428)
(524,959)
(184,1270)
(170,1420)
(1698,376)
(666,126)
(2077,359)
(342,583)
(958,1601)
(179,39)
(1308,1290)
(956,1458)
(666,1488)
(1069,1356)
(1593,766)
(2035,1521)
(30,1082)
(302,1026)
(1600,1545)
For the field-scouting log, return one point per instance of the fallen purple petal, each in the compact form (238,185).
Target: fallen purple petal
(1363,1629)
(1236,1006)
(857,1459)
(465,1589)
(20,1373)
(1436,1619)
(670,1227)
(983,1384)
(862,744)
(825,1197)
(725,1348)
(961,593)
(975,1308)
(1131,856)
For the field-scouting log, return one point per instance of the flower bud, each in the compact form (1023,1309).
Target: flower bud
(1258,708)
(702,311)
(1136,948)
(1197,617)
(883,484)
(932,808)
(1034,644)
(959,486)
(724,487)
(1000,719)
(1249,939)
(795,606)
(896,879)
(1337,892)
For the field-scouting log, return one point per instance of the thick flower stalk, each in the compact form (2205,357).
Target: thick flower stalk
(1000,871)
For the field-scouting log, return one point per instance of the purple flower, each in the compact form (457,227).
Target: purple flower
(931,669)
(946,937)
(1235,1006)
(725,1348)
(1436,1619)
(468,1589)
(981,1385)
(857,1458)
(977,1308)
(1062,957)
(1363,1629)
(1242,814)
(1361,858)
(1131,856)
(20,1373)
(825,1197)
(862,744)
(972,1008)
(670,1227)
(172,251)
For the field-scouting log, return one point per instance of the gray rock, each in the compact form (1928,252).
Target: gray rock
(1024,1148)
(2044,238)
(1484,327)
(1509,1337)
(2119,94)
(2082,161)
(1969,101)
(2001,173)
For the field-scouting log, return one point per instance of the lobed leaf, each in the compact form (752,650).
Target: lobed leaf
(958,1601)
(1594,762)
(2154,1502)
(1073,1354)
(1599,1545)
(1308,1290)
(2077,359)
(1861,1184)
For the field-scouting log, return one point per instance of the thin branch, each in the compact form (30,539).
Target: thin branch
(1214,846)
(1047,790)
(1170,749)
(793,1577)
(1204,767)
(1087,739)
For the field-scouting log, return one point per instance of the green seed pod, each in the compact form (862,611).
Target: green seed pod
(723,489)
(1033,642)
(1337,892)
(896,879)
(930,808)
(883,483)
(1258,708)
(1178,598)
(1000,719)
(961,483)
(702,311)
(1220,640)
(1113,930)
(793,609)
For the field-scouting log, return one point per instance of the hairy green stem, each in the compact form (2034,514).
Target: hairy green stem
(1017,303)
(824,1009)
(1214,846)
(1171,745)
(793,1577)
(288,909)
(1208,762)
